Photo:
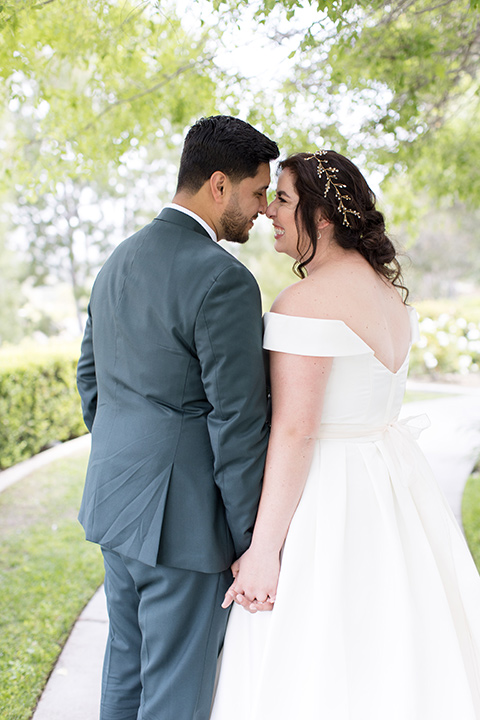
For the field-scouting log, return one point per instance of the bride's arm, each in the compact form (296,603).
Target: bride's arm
(298,386)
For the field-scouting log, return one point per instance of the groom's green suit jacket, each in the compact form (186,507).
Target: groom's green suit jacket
(171,377)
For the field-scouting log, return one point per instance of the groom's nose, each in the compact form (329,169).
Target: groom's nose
(263,204)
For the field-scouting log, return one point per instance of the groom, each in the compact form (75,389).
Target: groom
(172,384)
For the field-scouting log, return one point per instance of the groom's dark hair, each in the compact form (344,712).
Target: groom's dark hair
(222,143)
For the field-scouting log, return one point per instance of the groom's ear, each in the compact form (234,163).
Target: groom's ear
(219,186)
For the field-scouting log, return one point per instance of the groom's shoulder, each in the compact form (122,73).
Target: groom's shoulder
(200,253)
(224,263)
(183,248)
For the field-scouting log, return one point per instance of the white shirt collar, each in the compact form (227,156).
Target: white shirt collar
(201,222)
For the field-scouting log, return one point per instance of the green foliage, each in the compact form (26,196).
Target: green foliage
(449,338)
(11,295)
(87,81)
(47,574)
(39,404)
(471,515)
(467,307)
(67,237)
(417,396)
(90,90)
(97,94)
(440,164)
(392,84)
(441,246)
(412,61)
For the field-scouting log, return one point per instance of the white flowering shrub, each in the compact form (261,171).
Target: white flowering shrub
(448,343)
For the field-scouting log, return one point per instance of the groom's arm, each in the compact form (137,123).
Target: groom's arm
(228,339)
(86,377)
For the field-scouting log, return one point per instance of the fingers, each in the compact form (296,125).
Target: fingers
(230,596)
(252,606)
(258,606)
(233,595)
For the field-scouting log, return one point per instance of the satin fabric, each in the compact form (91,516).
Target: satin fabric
(378,605)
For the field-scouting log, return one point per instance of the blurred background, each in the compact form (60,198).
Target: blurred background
(98,94)
(96,98)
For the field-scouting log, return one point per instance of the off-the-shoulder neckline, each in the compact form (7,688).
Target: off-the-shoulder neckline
(410,310)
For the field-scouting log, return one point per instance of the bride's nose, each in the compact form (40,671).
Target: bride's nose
(270,211)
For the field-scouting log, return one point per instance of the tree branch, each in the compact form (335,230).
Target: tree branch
(26,7)
(40,5)
(138,95)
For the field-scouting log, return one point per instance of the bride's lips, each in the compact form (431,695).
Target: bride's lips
(278,231)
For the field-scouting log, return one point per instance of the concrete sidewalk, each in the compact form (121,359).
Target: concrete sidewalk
(73,690)
(451,444)
(21,470)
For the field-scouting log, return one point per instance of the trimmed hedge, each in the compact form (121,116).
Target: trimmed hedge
(39,403)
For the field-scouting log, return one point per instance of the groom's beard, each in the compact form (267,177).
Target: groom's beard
(234,223)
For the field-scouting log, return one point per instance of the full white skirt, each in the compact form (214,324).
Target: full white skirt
(378,606)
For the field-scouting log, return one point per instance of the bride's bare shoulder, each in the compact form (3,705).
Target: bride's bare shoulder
(316,296)
(287,301)
(321,294)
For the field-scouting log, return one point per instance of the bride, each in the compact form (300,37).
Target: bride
(374,598)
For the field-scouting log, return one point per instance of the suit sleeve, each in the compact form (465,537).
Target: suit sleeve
(229,347)
(86,377)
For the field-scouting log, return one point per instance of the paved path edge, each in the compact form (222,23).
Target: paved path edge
(73,689)
(22,469)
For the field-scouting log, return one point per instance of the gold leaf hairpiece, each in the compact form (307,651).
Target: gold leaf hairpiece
(328,174)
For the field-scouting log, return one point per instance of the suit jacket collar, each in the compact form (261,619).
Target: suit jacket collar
(177,217)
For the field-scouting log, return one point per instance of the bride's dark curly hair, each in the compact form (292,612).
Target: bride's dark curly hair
(357,223)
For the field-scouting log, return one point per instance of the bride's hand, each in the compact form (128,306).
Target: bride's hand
(255,581)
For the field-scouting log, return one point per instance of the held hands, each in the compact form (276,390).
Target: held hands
(255,581)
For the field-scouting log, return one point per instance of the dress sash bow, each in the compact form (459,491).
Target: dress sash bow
(396,442)
(414,425)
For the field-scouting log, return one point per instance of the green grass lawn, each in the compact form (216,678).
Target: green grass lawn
(47,575)
(471,515)
(421,395)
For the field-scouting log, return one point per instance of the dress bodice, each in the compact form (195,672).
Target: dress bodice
(360,389)
(376,609)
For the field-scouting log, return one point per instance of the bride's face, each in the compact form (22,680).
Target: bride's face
(282,213)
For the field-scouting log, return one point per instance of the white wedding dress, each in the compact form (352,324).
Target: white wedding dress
(377,614)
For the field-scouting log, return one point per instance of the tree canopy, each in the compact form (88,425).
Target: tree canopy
(394,83)
(87,81)
(96,95)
